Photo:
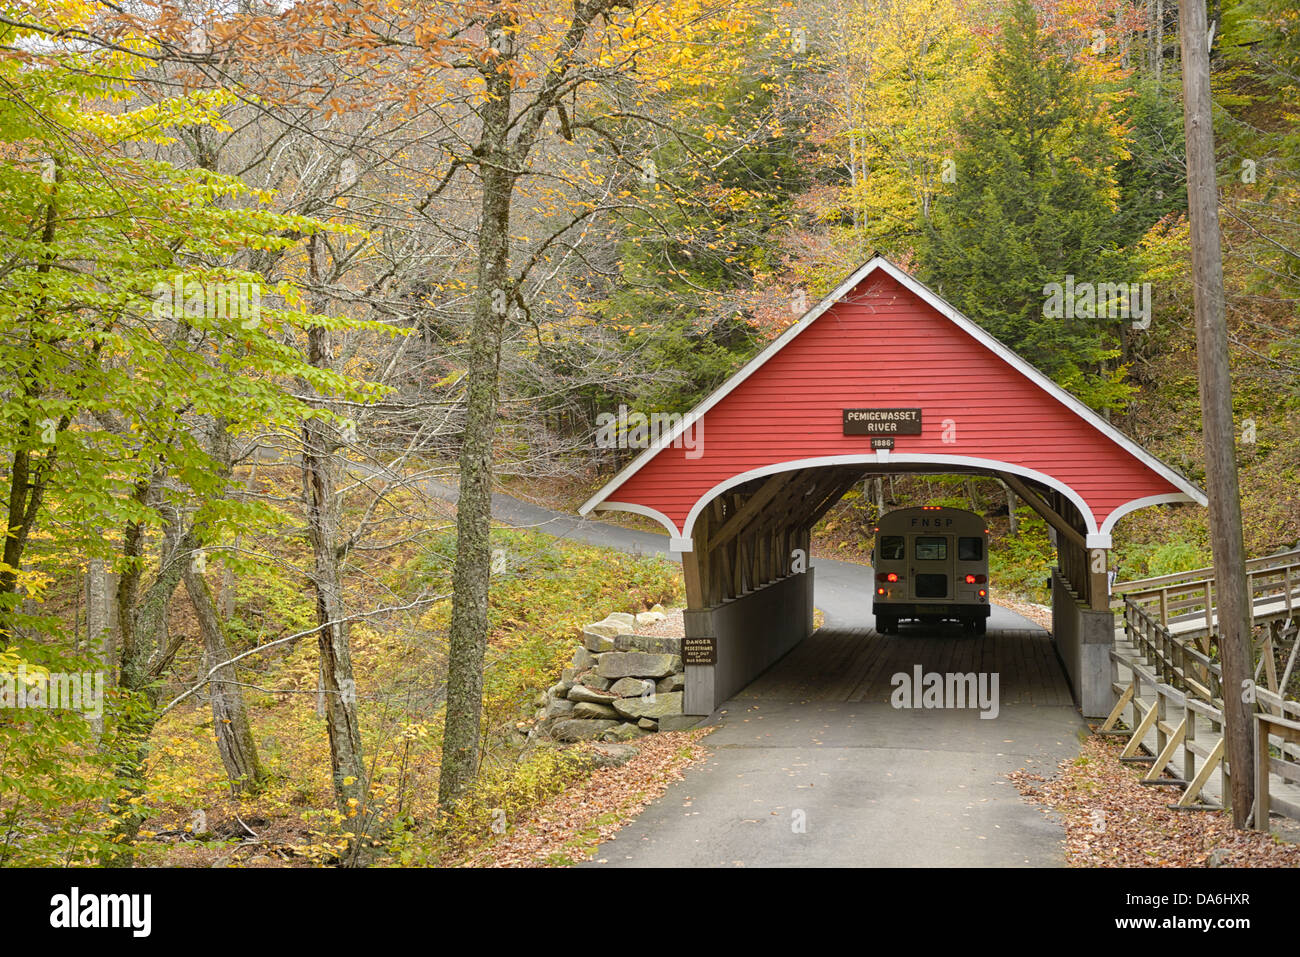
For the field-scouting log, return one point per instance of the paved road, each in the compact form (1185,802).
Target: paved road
(839,588)
(812,765)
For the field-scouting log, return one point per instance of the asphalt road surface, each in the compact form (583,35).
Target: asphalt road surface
(812,765)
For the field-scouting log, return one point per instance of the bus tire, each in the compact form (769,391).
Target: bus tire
(981,626)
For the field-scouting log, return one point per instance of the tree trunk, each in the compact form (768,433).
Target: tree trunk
(498,163)
(346,760)
(1233,595)
(143,661)
(469,611)
(1158,60)
(134,653)
(28,474)
(101,620)
(229,716)
(226,600)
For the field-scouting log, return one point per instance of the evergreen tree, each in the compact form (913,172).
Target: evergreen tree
(1033,202)
(1152,178)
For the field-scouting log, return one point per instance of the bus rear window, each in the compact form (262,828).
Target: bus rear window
(891,548)
(931,548)
(970,550)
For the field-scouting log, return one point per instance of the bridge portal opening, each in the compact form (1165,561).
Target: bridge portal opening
(882,377)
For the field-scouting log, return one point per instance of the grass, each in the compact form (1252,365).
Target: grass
(544,591)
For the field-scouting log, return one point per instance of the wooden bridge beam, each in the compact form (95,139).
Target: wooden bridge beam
(1049,514)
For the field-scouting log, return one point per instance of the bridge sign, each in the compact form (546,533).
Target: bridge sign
(882,421)
(699,651)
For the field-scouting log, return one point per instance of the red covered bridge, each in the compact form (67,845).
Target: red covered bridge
(740,482)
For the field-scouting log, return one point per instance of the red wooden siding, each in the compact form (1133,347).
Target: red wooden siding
(884,346)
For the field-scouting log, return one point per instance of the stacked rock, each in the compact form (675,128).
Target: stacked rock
(619,685)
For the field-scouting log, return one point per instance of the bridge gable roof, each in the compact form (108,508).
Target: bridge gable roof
(883,339)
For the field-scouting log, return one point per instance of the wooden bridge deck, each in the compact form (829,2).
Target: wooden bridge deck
(858,664)
(1267,608)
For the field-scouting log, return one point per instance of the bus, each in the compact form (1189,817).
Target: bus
(931,564)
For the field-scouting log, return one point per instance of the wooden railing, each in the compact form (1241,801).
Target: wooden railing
(1177,661)
(1197,738)
(1287,732)
(1198,574)
(1189,596)
(1173,671)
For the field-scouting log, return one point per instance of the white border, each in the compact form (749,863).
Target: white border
(645,510)
(1137,503)
(1095,538)
(908,458)
(1189,491)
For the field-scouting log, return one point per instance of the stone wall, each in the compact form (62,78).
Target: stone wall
(618,685)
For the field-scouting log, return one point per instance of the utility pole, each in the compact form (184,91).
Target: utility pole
(1233,598)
